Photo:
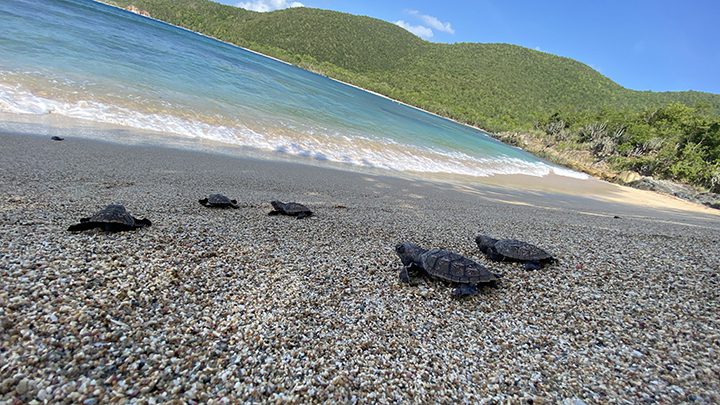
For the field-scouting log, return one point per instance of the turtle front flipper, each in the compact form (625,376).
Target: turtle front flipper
(203,201)
(275,212)
(140,223)
(465,290)
(533,265)
(410,274)
(234,204)
(405,275)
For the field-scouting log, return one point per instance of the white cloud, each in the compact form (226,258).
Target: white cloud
(419,30)
(433,22)
(268,5)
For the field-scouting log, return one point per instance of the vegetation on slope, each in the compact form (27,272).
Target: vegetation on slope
(673,142)
(498,87)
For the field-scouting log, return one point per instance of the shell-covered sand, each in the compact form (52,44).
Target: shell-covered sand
(218,306)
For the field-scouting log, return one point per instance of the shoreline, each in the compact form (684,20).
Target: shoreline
(552,185)
(549,183)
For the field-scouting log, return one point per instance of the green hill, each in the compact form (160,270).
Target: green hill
(498,87)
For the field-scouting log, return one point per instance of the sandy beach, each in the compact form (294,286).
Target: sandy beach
(221,306)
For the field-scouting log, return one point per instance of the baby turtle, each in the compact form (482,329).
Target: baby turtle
(57,138)
(218,201)
(113,218)
(292,208)
(532,257)
(444,265)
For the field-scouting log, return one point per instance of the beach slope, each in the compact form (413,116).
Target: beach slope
(211,304)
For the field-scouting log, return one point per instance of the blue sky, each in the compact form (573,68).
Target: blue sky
(641,44)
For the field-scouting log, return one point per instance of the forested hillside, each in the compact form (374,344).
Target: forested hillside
(498,87)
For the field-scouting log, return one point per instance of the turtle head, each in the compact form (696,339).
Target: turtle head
(409,253)
(485,242)
(277,205)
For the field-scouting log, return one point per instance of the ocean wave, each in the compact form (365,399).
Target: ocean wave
(320,143)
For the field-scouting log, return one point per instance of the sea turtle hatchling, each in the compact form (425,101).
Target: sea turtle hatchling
(532,257)
(113,218)
(218,201)
(442,264)
(292,208)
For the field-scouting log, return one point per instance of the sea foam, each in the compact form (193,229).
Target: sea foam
(319,144)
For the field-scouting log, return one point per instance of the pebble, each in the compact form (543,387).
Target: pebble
(23,387)
(43,395)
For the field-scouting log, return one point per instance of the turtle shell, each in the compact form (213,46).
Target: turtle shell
(449,266)
(292,208)
(112,218)
(113,214)
(519,250)
(218,199)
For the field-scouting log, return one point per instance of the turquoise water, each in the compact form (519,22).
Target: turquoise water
(95,64)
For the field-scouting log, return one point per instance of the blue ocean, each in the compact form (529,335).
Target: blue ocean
(70,64)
